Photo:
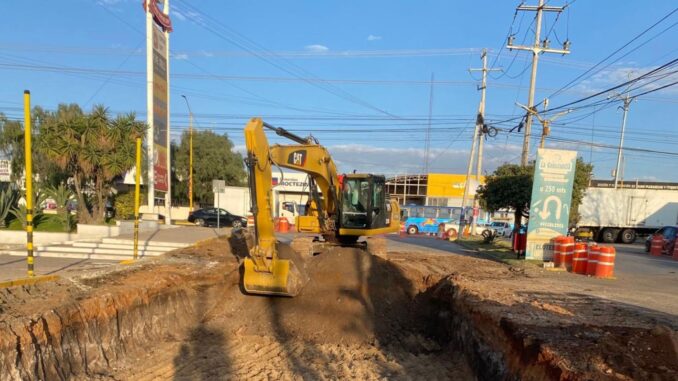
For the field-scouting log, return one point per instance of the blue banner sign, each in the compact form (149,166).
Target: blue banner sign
(551,198)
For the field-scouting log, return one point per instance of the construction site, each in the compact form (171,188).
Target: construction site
(415,313)
(292,228)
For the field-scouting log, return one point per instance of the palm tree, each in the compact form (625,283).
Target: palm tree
(93,148)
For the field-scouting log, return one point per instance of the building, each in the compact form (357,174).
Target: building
(435,189)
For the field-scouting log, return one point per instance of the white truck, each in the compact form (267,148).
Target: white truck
(634,208)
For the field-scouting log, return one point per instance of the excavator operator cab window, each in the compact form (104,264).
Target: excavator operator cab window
(362,204)
(354,205)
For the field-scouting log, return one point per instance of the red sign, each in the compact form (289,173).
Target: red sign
(475,212)
(158,15)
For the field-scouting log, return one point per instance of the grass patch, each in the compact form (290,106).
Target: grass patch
(499,249)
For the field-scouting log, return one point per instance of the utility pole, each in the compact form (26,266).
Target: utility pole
(545,123)
(480,121)
(190,154)
(627,102)
(537,48)
(428,129)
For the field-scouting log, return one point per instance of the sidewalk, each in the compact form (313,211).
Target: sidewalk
(179,234)
(13,267)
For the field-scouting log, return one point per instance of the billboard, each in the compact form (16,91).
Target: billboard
(551,199)
(160,114)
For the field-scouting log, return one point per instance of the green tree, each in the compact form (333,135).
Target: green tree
(93,149)
(510,187)
(213,158)
(45,171)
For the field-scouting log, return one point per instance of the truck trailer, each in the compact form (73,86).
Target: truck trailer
(620,215)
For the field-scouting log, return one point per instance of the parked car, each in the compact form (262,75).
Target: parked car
(208,217)
(451,229)
(502,228)
(669,233)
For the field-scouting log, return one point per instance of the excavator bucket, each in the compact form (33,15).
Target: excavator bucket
(287,278)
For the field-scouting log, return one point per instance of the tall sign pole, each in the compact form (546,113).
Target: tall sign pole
(158,27)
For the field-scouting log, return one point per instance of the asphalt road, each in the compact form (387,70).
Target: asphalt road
(633,260)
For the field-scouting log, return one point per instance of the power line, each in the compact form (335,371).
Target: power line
(583,75)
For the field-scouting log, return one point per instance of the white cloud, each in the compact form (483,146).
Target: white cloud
(372,37)
(178,15)
(317,48)
(620,74)
(180,56)
(207,53)
(364,158)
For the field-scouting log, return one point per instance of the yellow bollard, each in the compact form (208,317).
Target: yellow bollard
(137,180)
(29,182)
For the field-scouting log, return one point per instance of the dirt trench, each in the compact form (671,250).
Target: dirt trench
(183,317)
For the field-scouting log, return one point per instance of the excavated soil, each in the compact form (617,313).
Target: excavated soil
(407,315)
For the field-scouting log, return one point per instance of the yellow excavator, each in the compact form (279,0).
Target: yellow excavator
(342,208)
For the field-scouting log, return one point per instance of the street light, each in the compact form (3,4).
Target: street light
(190,154)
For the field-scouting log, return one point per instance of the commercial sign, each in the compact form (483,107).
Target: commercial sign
(5,171)
(290,182)
(634,185)
(160,115)
(550,203)
(450,185)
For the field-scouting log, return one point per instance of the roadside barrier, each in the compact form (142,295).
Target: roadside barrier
(580,258)
(592,262)
(657,245)
(283,225)
(568,252)
(563,251)
(605,265)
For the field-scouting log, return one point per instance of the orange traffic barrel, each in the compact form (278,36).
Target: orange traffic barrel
(657,245)
(579,258)
(250,220)
(283,225)
(592,260)
(605,266)
(558,251)
(567,252)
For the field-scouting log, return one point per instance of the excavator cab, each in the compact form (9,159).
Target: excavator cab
(363,203)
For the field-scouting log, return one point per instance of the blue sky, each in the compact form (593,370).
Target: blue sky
(335,67)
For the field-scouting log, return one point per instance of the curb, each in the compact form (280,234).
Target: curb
(29,281)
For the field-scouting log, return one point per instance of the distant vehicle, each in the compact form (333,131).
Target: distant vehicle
(208,217)
(669,234)
(619,215)
(502,228)
(427,219)
(451,229)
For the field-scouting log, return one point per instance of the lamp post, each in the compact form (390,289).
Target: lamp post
(190,154)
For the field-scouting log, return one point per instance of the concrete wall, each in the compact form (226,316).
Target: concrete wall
(178,212)
(11,237)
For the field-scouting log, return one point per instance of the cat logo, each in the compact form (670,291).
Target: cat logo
(297,158)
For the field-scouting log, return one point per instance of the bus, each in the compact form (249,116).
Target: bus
(426,219)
